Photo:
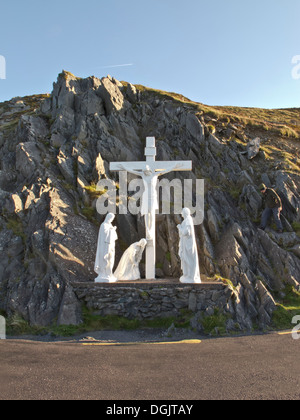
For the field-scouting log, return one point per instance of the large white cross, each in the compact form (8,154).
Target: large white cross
(149,171)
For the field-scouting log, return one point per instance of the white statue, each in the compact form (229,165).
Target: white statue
(128,268)
(149,198)
(150,171)
(105,256)
(188,249)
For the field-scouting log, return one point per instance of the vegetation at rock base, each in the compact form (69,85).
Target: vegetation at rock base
(215,324)
(287,307)
(93,191)
(296,227)
(16,325)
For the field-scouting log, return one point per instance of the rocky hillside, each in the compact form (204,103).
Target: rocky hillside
(55,148)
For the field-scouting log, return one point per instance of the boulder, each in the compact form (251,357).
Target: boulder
(253,148)
(111,95)
(70,309)
(28,157)
(252,200)
(194,127)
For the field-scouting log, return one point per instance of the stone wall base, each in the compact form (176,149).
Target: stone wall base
(149,300)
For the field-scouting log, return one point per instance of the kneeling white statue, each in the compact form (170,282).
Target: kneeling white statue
(105,256)
(128,268)
(188,249)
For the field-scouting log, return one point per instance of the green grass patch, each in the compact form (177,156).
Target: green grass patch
(296,227)
(215,324)
(93,322)
(16,325)
(90,213)
(218,277)
(287,308)
(94,192)
(15,225)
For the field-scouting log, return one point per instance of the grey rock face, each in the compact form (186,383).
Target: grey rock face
(59,147)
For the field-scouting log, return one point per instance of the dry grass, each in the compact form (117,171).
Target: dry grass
(284,122)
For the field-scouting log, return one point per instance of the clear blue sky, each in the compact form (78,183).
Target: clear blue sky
(218,52)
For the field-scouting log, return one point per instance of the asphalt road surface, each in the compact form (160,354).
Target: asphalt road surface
(252,367)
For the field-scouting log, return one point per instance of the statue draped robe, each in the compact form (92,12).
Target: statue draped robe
(105,256)
(128,268)
(188,252)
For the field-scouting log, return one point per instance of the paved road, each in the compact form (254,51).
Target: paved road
(254,367)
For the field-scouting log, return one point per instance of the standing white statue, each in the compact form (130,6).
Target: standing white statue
(128,268)
(188,249)
(105,256)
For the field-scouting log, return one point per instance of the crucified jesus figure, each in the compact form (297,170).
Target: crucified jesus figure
(149,198)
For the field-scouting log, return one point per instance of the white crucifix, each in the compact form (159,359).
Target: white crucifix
(149,171)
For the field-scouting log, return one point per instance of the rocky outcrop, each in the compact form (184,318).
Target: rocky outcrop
(54,150)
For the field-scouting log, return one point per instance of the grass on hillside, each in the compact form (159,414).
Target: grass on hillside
(284,122)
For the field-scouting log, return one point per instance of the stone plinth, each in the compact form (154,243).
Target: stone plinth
(144,299)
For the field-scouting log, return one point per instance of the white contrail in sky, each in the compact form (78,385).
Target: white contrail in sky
(115,65)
